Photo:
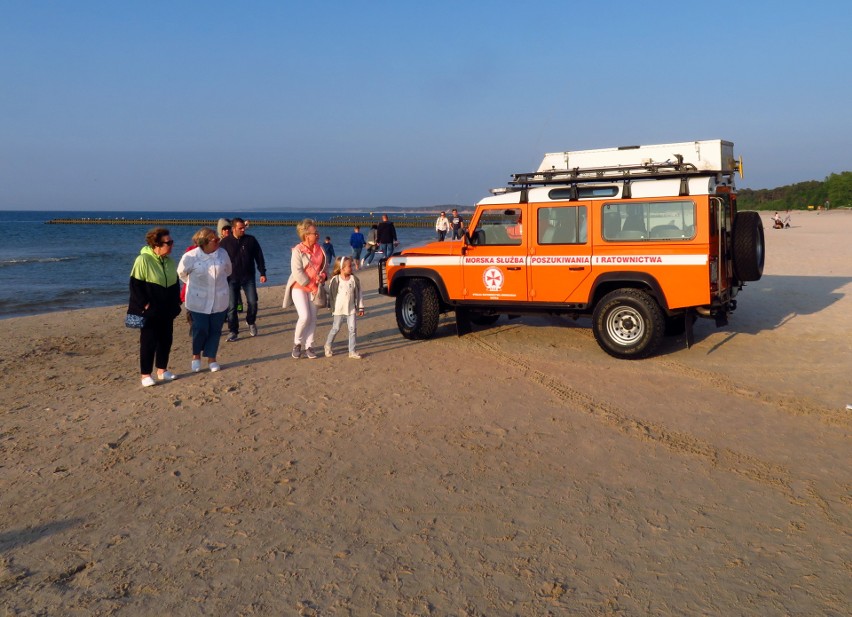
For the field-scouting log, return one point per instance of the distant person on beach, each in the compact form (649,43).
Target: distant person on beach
(776,222)
(457,223)
(787,220)
(372,246)
(357,242)
(155,294)
(345,300)
(205,270)
(244,251)
(223,228)
(307,267)
(442,226)
(386,236)
(328,249)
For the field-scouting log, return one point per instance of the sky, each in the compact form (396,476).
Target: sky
(217,106)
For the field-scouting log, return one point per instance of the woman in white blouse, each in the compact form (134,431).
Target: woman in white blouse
(205,270)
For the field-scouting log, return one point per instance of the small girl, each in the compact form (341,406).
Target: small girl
(344,296)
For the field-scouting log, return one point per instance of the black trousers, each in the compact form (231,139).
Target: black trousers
(155,345)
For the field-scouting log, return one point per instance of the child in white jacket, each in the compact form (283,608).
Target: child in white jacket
(344,299)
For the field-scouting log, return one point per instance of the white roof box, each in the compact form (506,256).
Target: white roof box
(713,155)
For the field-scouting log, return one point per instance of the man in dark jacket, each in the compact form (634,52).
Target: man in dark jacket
(245,252)
(386,236)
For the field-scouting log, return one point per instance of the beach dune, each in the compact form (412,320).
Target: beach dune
(516,471)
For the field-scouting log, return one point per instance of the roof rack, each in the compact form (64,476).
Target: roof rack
(649,171)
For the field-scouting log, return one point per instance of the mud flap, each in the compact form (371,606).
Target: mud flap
(688,321)
(463,325)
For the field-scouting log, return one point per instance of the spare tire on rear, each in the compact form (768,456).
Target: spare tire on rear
(749,250)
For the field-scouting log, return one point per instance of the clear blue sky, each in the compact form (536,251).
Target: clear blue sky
(245,105)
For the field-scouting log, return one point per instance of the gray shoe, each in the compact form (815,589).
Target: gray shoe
(309,353)
(232,338)
(253,330)
(297,351)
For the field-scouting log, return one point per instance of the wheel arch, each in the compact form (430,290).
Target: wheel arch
(611,281)
(402,277)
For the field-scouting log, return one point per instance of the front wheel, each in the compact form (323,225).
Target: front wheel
(628,324)
(418,310)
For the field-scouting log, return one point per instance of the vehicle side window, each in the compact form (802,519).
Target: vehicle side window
(562,225)
(499,227)
(652,220)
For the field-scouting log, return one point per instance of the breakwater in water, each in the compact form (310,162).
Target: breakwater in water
(409,221)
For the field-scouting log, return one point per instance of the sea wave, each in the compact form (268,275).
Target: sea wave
(23,261)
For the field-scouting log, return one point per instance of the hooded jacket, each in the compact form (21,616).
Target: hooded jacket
(154,283)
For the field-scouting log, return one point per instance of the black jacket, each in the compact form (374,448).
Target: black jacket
(386,233)
(244,253)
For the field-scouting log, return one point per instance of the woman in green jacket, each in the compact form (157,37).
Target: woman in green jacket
(155,294)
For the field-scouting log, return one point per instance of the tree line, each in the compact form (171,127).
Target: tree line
(836,189)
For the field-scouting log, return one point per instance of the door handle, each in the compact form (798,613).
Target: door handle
(513,268)
(576,268)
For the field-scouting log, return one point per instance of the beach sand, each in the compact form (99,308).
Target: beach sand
(516,471)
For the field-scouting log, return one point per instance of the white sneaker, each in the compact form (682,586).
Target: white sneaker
(196,366)
(214,366)
(148,381)
(355,355)
(166,376)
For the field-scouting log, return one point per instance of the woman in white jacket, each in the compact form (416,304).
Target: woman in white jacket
(307,275)
(205,270)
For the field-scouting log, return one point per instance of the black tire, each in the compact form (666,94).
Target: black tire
(749,249)
(628,324)
(418,310)
(483,319)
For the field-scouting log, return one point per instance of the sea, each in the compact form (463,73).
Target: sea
(48,267)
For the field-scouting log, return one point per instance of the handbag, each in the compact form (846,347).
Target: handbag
(134,321)
(321,297)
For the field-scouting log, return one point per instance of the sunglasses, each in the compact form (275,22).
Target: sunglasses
(169,243)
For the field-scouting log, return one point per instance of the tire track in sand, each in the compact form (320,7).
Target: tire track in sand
(790,404)
(752,468)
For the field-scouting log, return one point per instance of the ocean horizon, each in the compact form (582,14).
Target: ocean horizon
(47,268)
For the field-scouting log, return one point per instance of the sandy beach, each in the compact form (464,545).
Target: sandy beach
(516,471)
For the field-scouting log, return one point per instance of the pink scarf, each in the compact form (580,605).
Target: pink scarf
(314,267)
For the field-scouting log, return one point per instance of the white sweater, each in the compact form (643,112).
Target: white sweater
(206,278)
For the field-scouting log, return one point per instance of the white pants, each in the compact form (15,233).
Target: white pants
(306,326)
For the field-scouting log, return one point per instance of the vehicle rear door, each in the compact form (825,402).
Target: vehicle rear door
(560,252)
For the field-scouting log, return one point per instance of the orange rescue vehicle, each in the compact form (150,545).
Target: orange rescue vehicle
(643,239)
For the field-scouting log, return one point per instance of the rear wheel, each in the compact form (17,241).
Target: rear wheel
(749,250)
(628,323)
(418,310)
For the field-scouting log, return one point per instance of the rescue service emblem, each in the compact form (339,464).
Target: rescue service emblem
(493,279)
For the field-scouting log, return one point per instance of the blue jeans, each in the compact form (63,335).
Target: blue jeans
(250,287)
(206,332)
(387,248)
(335,327)
(356,253)
(371,252)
